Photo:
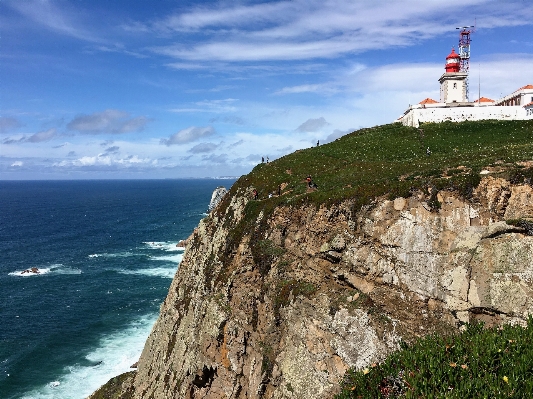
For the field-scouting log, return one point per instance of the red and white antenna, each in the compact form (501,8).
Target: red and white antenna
(464,51)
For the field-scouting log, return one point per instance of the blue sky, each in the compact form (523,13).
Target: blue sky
(167,89)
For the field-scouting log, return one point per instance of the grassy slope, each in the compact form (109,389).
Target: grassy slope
(392,159)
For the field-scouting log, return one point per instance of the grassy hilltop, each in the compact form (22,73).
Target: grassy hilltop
(392,160)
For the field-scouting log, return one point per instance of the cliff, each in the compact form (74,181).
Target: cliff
(278,297)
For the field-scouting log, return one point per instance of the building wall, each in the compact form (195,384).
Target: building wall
(415,116)
(453,91)
(453,87)
(519,97)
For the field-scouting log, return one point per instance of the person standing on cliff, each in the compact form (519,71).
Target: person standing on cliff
(255,195)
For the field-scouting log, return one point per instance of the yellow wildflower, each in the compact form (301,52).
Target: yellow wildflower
(453,364)
(505,379)
(366,371)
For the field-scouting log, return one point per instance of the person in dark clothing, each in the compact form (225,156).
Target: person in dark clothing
(310,182)
(255,195)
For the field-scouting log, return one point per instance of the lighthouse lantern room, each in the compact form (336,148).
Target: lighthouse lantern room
(453,81)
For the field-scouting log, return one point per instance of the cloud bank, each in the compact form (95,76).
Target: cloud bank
(109,121)
(188,135)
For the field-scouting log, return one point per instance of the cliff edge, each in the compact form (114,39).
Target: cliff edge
(277,297)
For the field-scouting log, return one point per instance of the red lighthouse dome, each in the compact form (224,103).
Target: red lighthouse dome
(453,62)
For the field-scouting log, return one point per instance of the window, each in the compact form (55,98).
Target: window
(455,85)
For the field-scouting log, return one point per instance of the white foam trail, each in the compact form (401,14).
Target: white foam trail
(169,258)
(166,272)
(118,255)
(165,246)
(113,356)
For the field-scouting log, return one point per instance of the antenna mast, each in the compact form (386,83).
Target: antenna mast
(464,52)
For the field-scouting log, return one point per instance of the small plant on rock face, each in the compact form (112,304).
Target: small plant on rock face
(479,363)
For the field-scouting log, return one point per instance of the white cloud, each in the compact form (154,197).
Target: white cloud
(108,121)
(42,136)
(17,164)
(299,30)
(312,125)
(65,20)
(307,88)
(188,135)
(212,106)
(203,147)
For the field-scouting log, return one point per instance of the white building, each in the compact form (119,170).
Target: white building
(453,105)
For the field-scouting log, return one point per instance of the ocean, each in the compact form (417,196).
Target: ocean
(106,254)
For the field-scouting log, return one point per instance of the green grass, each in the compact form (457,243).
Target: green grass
(479,363)
(372,162)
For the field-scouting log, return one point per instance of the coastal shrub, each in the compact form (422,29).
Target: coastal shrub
(483,363)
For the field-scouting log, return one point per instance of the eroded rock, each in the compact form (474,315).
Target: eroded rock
(338,291)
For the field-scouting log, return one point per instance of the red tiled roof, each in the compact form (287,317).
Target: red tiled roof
(526,87)
(428,101)
(527,105)
(484,100)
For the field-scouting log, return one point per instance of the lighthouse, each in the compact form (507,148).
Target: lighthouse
(453,81)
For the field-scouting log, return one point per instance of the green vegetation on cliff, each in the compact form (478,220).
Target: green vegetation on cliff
(479,363)
(394,159)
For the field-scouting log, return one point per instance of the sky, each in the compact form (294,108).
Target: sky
(140,89)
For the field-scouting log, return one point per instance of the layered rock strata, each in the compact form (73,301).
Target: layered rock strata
(281,309)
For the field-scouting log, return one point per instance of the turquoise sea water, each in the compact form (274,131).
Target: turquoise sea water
(106,252)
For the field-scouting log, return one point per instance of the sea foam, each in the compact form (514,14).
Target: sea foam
(54,269)
(166,272)
(165,246)
(114,355)
(169,258)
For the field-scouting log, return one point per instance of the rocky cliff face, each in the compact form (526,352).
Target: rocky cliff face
(216,197)
(281,305)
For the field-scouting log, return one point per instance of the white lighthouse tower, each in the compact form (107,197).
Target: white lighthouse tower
(453,81)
